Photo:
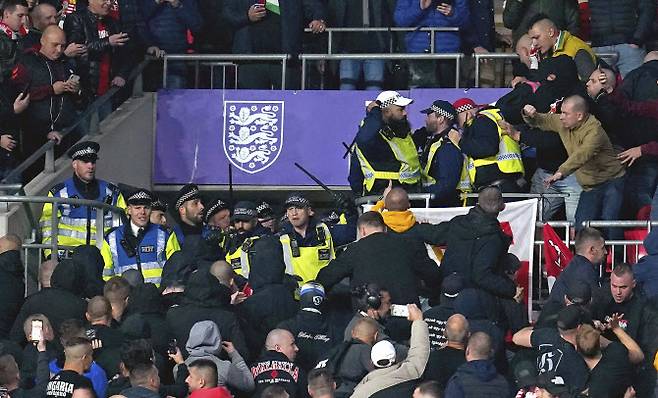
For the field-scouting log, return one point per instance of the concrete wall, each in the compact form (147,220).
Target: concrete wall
(126,138)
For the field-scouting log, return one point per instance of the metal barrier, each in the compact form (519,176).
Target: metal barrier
(372,199)
(432,32)
(513,56)
(414,56)
(283,58)
(91,112)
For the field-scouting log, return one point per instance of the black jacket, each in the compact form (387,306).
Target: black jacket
(313,336)
(390,261)
(621,21)
(274,367)
(206,299)
(475,246)
(639,84)
(12,289)
(145,301)
(81,28)
(477,379)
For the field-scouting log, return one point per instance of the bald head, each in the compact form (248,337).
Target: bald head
(651,56)
(43,16)
(577,103)
(99,311)
(491,201)
(46,271)
(397,200)
(53,41)
(282,341)
(479,347)
(365,329)
(456,329)
(222,271)
(523,46)
(10,242)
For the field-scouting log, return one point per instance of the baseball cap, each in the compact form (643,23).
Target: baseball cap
(525,374)
(552,383)
(388,98)
(452,285)
(443,108)
(569,317)
(464,104)
(579,292)
(382,354)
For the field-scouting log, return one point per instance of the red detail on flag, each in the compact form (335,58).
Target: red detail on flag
(522,279)
(507,230)
(556,254)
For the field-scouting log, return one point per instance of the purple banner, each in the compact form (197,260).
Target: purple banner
(262,133)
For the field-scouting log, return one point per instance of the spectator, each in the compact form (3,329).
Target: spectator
(168,22)
(558,343)
(277,365)
(646,270)
(99,316)
(10,378)
(202,380)
(105,64)
(10,108)
(205,343)
(30,356)
(622,27)
(427,13)
(12,287)
(444,362)
(553,42)
(117,291)
(145,382)
(577,292)
(397,378)
(41,16)
(372,302)
(610,366)
(321,384)
(477,377)
(256,24)
(437,316)
(375,14)
(314,335)
(53,91)
(518,13)
(57,303)
(78,353)
(640,319)
(550,385)
(584,267)
(14,14)
(146,303)
(591,158)
(428,389)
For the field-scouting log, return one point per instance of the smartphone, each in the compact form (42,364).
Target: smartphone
(74,78)
(399,310)
(90,334)
(36,333)
(171,348)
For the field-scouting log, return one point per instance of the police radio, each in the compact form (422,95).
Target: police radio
(321,235)
(294,248)
(128,248)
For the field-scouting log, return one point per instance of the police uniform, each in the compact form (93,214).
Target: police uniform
(501,168)
(239,245)
(442,159)
(142,248)
(381,154)
(77,224)
(211,232)
(188,192)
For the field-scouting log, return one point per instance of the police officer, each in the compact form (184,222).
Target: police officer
(266,217)
(217,224)
(246,230)
(77,224)
(189,208)
(308,244)
(159,211)
(384,149)
(492,157)
(139,244)
(439,153)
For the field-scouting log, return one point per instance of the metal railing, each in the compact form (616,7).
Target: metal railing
(431,31)
(283,58)
(409,56)
(92,110)
(372,199)
(514,56)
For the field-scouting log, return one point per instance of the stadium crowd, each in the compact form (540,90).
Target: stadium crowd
(203,298)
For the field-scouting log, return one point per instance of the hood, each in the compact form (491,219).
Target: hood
(398,221)
(468,303)
(91,260)
(651,242)
(68,276)
(484,370)
(204,339)
(215,392)
(10,262)
(266,263)
(145,298)
(475,224)
(135,327)
(204,289)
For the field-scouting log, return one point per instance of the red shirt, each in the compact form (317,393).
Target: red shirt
(105,63)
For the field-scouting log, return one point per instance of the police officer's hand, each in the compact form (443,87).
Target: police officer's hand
(372,105)
(454,136)
(415,314)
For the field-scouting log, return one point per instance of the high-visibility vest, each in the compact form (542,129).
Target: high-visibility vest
(72,222)
(464,184)
(405,153)
(157,245)
(508,158)
(239,258)
(307,261)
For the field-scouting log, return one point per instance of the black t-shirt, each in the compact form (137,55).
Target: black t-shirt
(612,375)
(436,319)
(64,382)
(442,364)
(558,355)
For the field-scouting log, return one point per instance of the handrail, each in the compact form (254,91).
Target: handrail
(283,58)
(418,56)
(432,30)
(54,246)
(492,56)
(364,200)
(48,147)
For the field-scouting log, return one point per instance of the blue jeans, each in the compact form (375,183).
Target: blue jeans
(602,202)
(567,185)
(629,57)
(641,183)
(350,72)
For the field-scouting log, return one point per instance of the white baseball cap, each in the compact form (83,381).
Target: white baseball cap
(382,354)
(388,98)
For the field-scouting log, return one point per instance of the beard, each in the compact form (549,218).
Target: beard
(400,127)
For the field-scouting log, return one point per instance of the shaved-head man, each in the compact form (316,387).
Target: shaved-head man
(443,363)
(276,365)
(78,357)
